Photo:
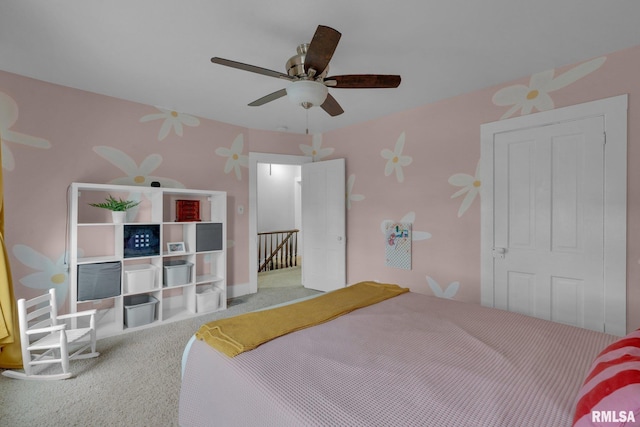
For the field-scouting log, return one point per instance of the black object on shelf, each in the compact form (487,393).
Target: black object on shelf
(141,240)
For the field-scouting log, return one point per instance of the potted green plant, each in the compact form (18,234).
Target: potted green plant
(118,207)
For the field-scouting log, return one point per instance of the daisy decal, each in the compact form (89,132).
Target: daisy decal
(315,150)
(171,120)
(50,274)
(350,196)
(536,95)
(395,159)
(234,156)
(448,293)
(134,174)
(8,117)
(470,185)
(410,217)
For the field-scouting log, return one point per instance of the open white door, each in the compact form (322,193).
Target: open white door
(324,225)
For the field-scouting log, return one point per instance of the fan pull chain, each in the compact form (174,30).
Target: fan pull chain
(307,121)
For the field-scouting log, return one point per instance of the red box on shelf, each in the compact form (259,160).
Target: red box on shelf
(187,210)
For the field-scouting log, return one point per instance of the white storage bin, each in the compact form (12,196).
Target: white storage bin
(176,273)
(139,310)
(139,278)
(207,299)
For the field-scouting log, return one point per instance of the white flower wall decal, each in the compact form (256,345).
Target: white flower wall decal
(536,94)
(50,274)
(315,150)
(470,185)
(171,120)
(350,196)
(410,217)
(395,160)
(8,117)
(448,293)
(235,158)
(134,174)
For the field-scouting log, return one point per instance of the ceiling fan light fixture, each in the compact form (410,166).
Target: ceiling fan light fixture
(307,93)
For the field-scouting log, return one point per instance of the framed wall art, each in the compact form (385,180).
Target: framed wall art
(176,248)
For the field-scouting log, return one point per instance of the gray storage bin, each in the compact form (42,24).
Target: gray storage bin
(139,310)
(176,273)
(99,280)
(208,237)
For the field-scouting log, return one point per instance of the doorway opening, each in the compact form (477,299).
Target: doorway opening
(322,214)
(267,160)
(279,259)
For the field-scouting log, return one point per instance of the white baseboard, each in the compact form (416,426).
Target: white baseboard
(238,290)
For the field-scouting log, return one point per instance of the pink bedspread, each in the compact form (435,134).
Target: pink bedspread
(413,360)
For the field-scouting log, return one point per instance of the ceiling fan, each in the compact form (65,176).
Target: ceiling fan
(307,74)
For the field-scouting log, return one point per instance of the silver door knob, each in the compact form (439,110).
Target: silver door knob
(499,252)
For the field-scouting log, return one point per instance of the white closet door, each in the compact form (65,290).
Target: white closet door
(554,189)
(549,222)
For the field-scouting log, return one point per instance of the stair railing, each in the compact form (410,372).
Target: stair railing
(277,249)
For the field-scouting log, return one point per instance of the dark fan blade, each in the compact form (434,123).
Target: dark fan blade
(331,106)
(321,49)
(251,68)
(363,81)
(271,97)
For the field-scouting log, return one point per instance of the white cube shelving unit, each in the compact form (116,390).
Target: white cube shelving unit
(94,238)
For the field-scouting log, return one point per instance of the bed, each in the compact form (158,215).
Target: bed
(409,360)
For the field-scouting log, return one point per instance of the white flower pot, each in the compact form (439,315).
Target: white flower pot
(119,216)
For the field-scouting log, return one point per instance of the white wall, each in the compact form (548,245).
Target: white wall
(276,194)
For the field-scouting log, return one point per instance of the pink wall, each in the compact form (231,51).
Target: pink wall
(53,135)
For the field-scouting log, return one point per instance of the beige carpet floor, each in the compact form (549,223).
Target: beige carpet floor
(134,382)
(283,278)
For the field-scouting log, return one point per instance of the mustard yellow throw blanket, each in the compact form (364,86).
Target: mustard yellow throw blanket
(247,331)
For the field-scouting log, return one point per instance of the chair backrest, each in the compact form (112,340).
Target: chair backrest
(38,312)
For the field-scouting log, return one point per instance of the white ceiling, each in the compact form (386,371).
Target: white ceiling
(158,52)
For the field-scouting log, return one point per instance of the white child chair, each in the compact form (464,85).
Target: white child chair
(45,338)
